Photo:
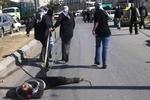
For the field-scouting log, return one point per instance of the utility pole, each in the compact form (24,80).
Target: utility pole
(0,6)
(36,3)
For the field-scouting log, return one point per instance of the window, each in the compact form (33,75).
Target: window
(17,10)
(5,19)
(8,10)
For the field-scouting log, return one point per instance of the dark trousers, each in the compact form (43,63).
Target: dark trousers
(52,82)
(135,27)
(43,52)
(65,48)
(142,23)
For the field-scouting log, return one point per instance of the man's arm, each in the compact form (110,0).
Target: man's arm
(58,22)
(94,27)
(96,19)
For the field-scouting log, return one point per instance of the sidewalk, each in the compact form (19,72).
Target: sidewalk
(10,43)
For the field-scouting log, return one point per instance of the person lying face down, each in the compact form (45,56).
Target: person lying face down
(34,87)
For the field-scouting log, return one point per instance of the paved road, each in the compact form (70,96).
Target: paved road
(126,78)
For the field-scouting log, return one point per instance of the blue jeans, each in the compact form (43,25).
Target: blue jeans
(105,42)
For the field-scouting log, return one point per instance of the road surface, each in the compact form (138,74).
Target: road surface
(127,76)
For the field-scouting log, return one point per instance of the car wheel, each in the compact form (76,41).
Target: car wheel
(11,30)
(1,33)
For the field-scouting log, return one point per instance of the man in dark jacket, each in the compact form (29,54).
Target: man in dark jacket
(102,34)
(117,18)
(133,18)
(67,24)
(45,29)
(34,88)
(143,15)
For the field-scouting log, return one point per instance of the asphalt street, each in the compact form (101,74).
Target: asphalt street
(127,76)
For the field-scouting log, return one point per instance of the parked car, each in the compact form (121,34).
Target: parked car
(6,24)
(16,26)
(13,11)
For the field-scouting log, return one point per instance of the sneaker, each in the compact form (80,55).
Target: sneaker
(104,67)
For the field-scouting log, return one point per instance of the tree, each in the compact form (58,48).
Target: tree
(4,3)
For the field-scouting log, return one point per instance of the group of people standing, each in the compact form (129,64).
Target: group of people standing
(44,28)
(66,22)
(87,15)
(136,16)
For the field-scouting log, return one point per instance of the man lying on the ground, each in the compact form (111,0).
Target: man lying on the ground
(34,87)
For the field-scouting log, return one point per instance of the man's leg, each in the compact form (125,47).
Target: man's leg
(97,50)
(52,82)
(141,23)
(135,26)
(130,27)
(67,49)
(105,43)
(42,52)
(144,24)
(63,49)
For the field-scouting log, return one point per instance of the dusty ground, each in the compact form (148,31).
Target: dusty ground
(9,44)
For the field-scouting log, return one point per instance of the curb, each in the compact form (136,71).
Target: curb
(8,65)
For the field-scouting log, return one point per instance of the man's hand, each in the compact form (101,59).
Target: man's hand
(52,29)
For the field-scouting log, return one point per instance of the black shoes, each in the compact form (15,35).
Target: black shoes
(136,33)
(98,65)
(104,67)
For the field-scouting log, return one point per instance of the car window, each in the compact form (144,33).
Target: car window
(8,10)
(9,18)
(5,19)
(17,10)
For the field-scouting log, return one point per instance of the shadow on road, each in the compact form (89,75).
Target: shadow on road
(104,87)
(65,66)
(119,34)
(24,61)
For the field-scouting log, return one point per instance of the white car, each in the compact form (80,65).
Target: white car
(17,26)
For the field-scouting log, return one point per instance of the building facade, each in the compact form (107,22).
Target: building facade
(38,2)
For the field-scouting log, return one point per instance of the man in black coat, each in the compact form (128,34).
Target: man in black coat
(34,88)
(45,29)
(117,18)
(143,15)
(67,24)
(133,18)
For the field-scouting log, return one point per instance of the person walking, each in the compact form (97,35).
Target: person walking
(133,18)
(117,17)
(88,15)
(143,15)
(102,34)
(67,24)
(29,26)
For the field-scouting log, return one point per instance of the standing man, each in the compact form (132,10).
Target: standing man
(143,13)
(67,24)
(45,29)
(117,18)
(102,34)
(133,18)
